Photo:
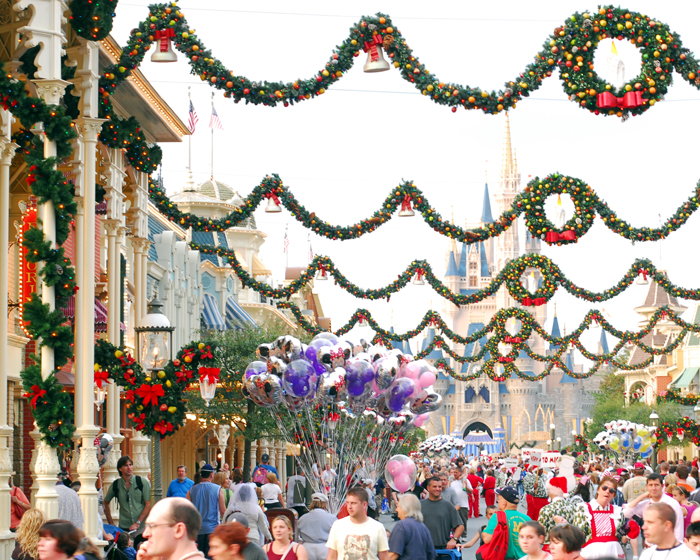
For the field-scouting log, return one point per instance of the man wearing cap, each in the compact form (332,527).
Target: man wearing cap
(441,517)
(315,527)
(208,498)
(265,464)
(252,551)
(507,500)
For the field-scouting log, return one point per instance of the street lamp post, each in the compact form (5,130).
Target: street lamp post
(654,418)
(552,433)
(549,445)
(154,345)
(558,444)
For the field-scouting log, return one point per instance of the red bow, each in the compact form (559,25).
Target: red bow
(274,197)
(419,273)
(607,100)
(163,427)
(361,317)
(406,202)
(101,377)
(505,359)
(38,392)
(211,374)
(566,235)
(206,353)
(150,394)
(322,270)
(433,321)
(644,273)
(372,45)
(528,301)
(512,339)
(164,35)
(337,355)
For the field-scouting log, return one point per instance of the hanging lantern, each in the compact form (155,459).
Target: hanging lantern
(273,204)
(154,337)
(208,378)
(375,58)
(164,52)
(681,434)
(100,394)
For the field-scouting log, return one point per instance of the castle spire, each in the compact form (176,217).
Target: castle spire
(508,165)
(486,216)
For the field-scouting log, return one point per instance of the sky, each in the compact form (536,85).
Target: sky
(342,152)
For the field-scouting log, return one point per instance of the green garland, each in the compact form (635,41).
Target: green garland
(674,395)
(502,349)
(155,404)
(678,433)
(552,278)
(92,19)
(571,48)
(529,203)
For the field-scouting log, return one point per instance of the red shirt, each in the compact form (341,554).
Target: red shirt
(489,483)
(474,480)
(14,520)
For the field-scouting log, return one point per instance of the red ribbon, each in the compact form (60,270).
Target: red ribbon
(211,374)
(163,427)
(631,99)
(644,273)
(274,197)
(372,45)
(164,36)
(361,317)
(528,301)
(101,377)
(555,237)
(512,339)
(419,274)
(322,270)
(406,202)
(505,359)
(433,321)
(150,394)
(38,392)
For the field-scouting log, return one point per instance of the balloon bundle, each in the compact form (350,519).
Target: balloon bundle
(440,444)
(344,398)
(627,439)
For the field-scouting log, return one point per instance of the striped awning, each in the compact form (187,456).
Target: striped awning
(100,313)
(211,316)
(236,315)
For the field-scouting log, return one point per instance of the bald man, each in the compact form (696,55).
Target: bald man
(171,531)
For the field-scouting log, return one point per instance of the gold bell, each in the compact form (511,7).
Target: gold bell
(164,52)
(375,60)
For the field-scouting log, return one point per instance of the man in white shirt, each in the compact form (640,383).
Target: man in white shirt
(655,495)
(659,530)
(328,477)
(357,536)
(463,489)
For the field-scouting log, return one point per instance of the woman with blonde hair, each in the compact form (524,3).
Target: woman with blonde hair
(28,535)
(272,493)
(315,526)
(283,546)
(221,478)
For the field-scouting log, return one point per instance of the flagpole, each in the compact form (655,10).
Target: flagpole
(286,249)
(308,255)
(189,149)
(212,137)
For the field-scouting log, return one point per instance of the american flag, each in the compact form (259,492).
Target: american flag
(286,242)
(311,253)
(215,121)
(192,118)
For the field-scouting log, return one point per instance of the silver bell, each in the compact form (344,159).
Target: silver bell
(164,55)
(406,213)
(375,60)
(272,206)
(418,280)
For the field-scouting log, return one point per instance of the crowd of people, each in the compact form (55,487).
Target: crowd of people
(576,509)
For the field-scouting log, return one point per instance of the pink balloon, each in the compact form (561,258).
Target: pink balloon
(426,379)
(402,482)
(420,420)
(408,467)
(394,468)
(411,370)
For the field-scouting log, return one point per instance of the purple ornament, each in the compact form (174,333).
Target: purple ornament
(299,378)
(255,368)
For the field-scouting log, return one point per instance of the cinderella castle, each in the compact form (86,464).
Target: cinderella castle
(517,413)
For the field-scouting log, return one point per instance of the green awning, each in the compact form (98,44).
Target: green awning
(684,379)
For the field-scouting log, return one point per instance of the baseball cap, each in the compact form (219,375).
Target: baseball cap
(320,496)
(508,494)
(639,466)
(207,468)
(240,517)
(265,458)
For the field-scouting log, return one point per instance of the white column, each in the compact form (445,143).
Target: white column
(222,433)
(34,488)
(144,277)
(46,465)
(240,452)
(253,456)
(88,467)
(7,150)
(137,247)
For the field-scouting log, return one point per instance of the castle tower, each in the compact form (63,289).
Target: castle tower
(508,247)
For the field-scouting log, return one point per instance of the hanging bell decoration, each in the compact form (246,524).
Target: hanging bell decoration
(406,210)
(418,278)
(273,204)
(362,323)
(375,59)
(322,275)
(164,52)
(643,279)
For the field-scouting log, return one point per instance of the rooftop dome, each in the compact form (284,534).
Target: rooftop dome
(217,189)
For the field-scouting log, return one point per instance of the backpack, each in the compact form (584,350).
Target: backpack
(299,494)
(498,547)
(115,486)
(260,476)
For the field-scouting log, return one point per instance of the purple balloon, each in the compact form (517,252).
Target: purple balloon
(255,368)
(313,348)
(398,393)
(358,376)
(299,378)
